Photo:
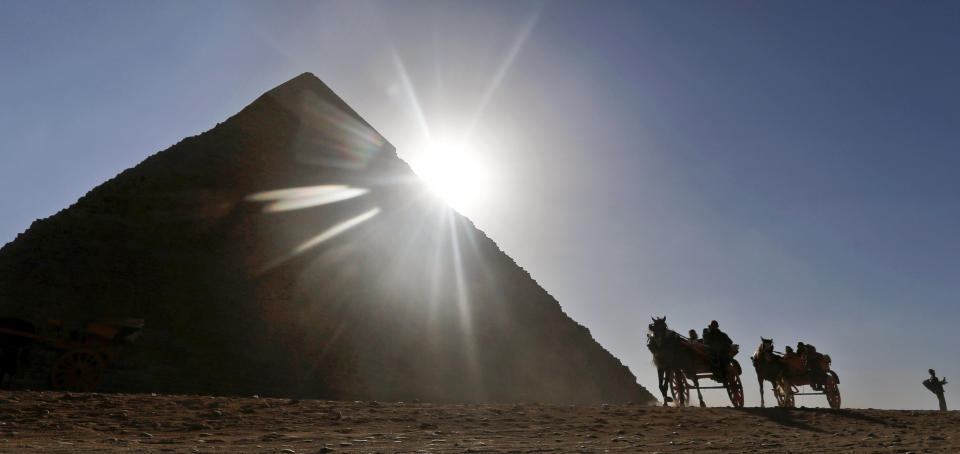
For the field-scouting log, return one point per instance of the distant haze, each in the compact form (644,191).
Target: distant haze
(788,169)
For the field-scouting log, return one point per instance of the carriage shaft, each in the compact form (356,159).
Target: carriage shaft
(38,337)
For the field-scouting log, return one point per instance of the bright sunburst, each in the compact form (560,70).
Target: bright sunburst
(454,173)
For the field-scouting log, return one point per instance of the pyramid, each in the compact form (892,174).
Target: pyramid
(288,251)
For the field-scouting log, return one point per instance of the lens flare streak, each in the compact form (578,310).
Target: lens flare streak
(463,298)
(331,137)
(505,65)
(305,197)
(411,94)
(322,237)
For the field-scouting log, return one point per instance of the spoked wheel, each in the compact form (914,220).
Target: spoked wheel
(833,390)
(77,370)
(778,393)
(786,390)
(678,388)
(735,391)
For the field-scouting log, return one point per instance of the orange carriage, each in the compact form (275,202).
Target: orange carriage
(813,369)
(83,354)
(681,381)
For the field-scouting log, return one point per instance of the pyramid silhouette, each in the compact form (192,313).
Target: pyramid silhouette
(289,251)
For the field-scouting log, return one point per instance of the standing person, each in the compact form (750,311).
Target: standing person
(935,385)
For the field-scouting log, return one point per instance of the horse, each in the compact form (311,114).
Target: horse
(14,349)
(769,367)
(674,359)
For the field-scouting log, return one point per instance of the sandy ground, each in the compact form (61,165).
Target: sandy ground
(64,422)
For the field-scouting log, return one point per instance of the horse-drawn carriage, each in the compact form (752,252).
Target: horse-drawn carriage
(682,363)
(82,354)
(787,372)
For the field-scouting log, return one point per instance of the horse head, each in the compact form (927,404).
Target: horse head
(659,324)
(658,329)
(765,347)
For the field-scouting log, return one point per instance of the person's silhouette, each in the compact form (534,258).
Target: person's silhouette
(720,347)
(935,385)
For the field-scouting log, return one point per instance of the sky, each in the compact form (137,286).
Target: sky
(786,168)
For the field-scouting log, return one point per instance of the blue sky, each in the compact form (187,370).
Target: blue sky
(787,168)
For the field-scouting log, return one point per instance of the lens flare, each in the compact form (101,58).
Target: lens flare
(322,237)
(305,197)
(453,173)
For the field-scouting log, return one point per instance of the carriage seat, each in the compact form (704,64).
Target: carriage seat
(794,364)
(120,330)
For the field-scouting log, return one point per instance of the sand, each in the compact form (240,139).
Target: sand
(65,422)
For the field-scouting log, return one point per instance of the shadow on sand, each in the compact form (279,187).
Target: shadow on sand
(854,414)
(783,416)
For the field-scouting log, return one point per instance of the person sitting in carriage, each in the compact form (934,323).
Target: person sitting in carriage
(813,362)
(792,359)
(693,336)
(720,347)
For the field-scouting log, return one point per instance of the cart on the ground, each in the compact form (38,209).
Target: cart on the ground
(82,355)
(681,381)
(799,374)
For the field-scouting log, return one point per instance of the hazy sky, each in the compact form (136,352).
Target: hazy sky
(787,168)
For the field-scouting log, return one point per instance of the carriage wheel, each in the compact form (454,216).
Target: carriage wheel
(786,391)
(833,391)
(678,381)
(735,391)
(77,370)
(778,393)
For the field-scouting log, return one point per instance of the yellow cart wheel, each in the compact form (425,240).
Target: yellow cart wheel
(77,370)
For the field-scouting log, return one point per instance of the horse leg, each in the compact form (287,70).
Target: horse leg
(662,383)
(696,382)
(760,379)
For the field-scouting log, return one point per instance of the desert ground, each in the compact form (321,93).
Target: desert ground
(71,422)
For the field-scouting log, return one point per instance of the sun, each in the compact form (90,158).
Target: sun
(454,173)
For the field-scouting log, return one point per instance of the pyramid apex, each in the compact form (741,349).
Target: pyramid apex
(292,91)
(305,80)
(307,76)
